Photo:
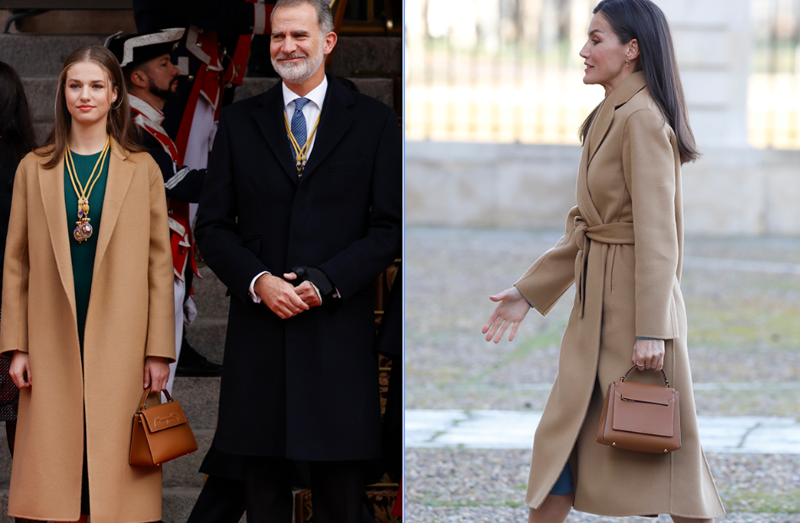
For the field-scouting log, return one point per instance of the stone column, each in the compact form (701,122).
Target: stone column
(713,44)
(726,191)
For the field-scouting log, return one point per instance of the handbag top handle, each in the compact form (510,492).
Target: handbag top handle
(621,379)
(147,393)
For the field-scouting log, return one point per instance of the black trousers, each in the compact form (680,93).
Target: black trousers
(337,490)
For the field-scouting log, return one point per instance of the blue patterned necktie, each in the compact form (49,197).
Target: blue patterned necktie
(299,124)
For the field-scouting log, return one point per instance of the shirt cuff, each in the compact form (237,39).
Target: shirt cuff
(645,338)
(256,298)
(316,290)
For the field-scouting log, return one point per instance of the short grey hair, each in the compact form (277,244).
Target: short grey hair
(323,8)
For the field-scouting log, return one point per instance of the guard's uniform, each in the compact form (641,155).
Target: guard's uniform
(183,186)
(212,57)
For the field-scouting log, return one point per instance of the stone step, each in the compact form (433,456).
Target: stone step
(41,93)
(207,336)
(181,472)
(177,504)
(41,56)
(199,399)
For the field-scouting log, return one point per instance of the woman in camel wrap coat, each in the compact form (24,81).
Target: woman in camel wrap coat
(623,248)
(129,320)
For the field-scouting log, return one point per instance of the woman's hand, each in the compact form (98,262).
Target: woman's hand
(510,312)
(156,373)
(650,353)
(20,369)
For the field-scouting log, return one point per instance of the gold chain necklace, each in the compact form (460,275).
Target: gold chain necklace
(84,230)
(300,153)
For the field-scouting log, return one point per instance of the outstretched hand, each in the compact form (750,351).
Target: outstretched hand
(510,312)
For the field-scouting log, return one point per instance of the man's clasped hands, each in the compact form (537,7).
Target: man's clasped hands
(283,298)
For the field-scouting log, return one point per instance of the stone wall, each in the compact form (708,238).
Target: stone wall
(730,191)
(733,190)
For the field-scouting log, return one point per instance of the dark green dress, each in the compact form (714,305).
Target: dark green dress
(83,253)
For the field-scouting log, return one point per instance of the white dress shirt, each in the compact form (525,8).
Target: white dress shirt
(311,111)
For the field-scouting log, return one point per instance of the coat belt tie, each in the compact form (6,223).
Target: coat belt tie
(617,233)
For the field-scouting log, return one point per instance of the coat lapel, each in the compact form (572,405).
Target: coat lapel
(120,174)
(270,120)
(333,124)
(588,211)
(619,96)
(51,184)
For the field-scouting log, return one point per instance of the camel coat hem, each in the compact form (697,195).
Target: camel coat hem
(623,248)
(130,317)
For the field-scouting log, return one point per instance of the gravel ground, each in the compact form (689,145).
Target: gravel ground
(743,328)
(489,486)
(742,325)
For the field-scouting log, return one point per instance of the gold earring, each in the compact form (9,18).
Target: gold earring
(627,62)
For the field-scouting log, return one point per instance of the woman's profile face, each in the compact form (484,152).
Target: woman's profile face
(88,92)
(604,55)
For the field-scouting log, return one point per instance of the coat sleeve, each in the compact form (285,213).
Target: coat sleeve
(216,230)
(184,184)
(16,271)
(161,312)
(650,166)
(360,263)
(553,273)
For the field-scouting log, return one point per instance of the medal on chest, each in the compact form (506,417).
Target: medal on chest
(83,228)
(300,153)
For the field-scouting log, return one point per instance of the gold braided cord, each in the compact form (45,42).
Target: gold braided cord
(90,183)
(300,151)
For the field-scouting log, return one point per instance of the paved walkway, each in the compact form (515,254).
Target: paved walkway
(499,429)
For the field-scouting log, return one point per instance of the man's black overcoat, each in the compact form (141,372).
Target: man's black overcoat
(307,387)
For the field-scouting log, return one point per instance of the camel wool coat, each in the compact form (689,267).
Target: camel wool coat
(130,317)
(623,248)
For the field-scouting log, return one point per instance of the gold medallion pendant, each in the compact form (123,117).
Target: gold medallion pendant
(300,153)
(83,230)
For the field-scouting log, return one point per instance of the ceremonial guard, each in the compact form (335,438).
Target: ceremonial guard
(211,57)
(151,80)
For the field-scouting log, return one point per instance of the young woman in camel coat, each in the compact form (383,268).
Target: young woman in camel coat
(81,386)
(623,248)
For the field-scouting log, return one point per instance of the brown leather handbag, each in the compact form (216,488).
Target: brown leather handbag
(641,417)
(160,433)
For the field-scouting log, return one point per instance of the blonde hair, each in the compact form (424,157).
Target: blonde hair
(118,120)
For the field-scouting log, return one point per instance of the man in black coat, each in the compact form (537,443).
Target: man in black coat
(300,212)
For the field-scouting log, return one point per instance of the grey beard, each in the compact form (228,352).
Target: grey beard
(301,72)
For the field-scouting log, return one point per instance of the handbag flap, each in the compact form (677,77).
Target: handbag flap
(164,416)
(644,409)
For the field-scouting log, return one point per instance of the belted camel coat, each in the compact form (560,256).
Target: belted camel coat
(130,317)
(623,247)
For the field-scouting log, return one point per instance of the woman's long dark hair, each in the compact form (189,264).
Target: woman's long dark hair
(118,120)
(644,21)
(15,117)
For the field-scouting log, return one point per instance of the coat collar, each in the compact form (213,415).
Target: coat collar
(619,96)
(334,122)
(51,183)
